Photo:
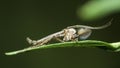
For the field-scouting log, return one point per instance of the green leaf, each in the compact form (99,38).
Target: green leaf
(86,43)
(98,8)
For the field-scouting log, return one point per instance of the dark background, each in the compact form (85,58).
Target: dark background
(36,19)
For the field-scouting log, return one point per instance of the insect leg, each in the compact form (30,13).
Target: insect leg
(45,41)
(58,39)
(30,41)
(33,42)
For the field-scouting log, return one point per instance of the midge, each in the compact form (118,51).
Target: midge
(71,33)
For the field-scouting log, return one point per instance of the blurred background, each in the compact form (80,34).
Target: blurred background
(39,18)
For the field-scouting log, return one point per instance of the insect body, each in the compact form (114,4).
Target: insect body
(66,34)
(71,33)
